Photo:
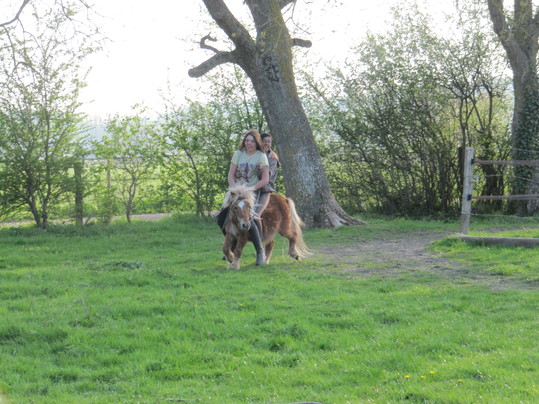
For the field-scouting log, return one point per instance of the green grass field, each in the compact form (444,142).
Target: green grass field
(144,313)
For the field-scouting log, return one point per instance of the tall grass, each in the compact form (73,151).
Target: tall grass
(146,312)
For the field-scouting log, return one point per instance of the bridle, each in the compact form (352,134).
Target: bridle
(236,219)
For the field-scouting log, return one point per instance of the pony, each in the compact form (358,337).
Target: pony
(280,216)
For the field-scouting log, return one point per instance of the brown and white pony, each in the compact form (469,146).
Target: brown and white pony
(280,216)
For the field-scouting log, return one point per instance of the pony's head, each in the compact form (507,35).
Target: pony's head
(240,201)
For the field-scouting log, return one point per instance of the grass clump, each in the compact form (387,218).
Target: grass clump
(518,262)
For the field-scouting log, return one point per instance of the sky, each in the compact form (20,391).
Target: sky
(155,43)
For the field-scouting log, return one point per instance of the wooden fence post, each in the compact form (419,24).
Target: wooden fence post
(79,192)
(467,188)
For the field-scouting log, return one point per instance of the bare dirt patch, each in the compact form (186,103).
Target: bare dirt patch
(397,256)
(145,217)
(149,216)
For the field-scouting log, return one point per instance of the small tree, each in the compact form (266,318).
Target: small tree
(39,88)
(473,70)
(130,154)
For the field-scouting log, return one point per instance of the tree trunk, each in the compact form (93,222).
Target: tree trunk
(525,131)
(520,41)
(268,63)
(36,215)
(304,175)
(79,192)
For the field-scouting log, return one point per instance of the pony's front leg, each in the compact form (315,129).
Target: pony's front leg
(242,240)
(227,247)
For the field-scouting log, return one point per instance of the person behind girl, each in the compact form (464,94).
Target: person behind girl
(249,166)
(273,161)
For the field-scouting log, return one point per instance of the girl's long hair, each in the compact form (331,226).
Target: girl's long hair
(256,136)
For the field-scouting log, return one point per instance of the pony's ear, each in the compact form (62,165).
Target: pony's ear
(227,199)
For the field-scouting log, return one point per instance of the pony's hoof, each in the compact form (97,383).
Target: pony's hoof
(233,268)
(296,257)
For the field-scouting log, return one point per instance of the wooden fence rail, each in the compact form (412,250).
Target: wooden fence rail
(530,163)
(467,197)
(506,197)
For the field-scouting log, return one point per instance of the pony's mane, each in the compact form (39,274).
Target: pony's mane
(239,192)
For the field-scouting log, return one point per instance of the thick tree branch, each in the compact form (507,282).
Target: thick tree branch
(525,18)
(235,31)
(265,16)
(228,23)
(497,16)
(24,3)
(216,60)
(502,29)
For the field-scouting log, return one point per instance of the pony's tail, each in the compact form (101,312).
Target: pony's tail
(297,224)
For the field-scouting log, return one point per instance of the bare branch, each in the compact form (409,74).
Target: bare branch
(204,45)
(216,60)
(24,3)
(304,43)
(284,3)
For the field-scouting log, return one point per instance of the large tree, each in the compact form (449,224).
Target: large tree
(267,61)
(518,31)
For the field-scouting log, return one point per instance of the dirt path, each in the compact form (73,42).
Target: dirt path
(146,216)
(393,257)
